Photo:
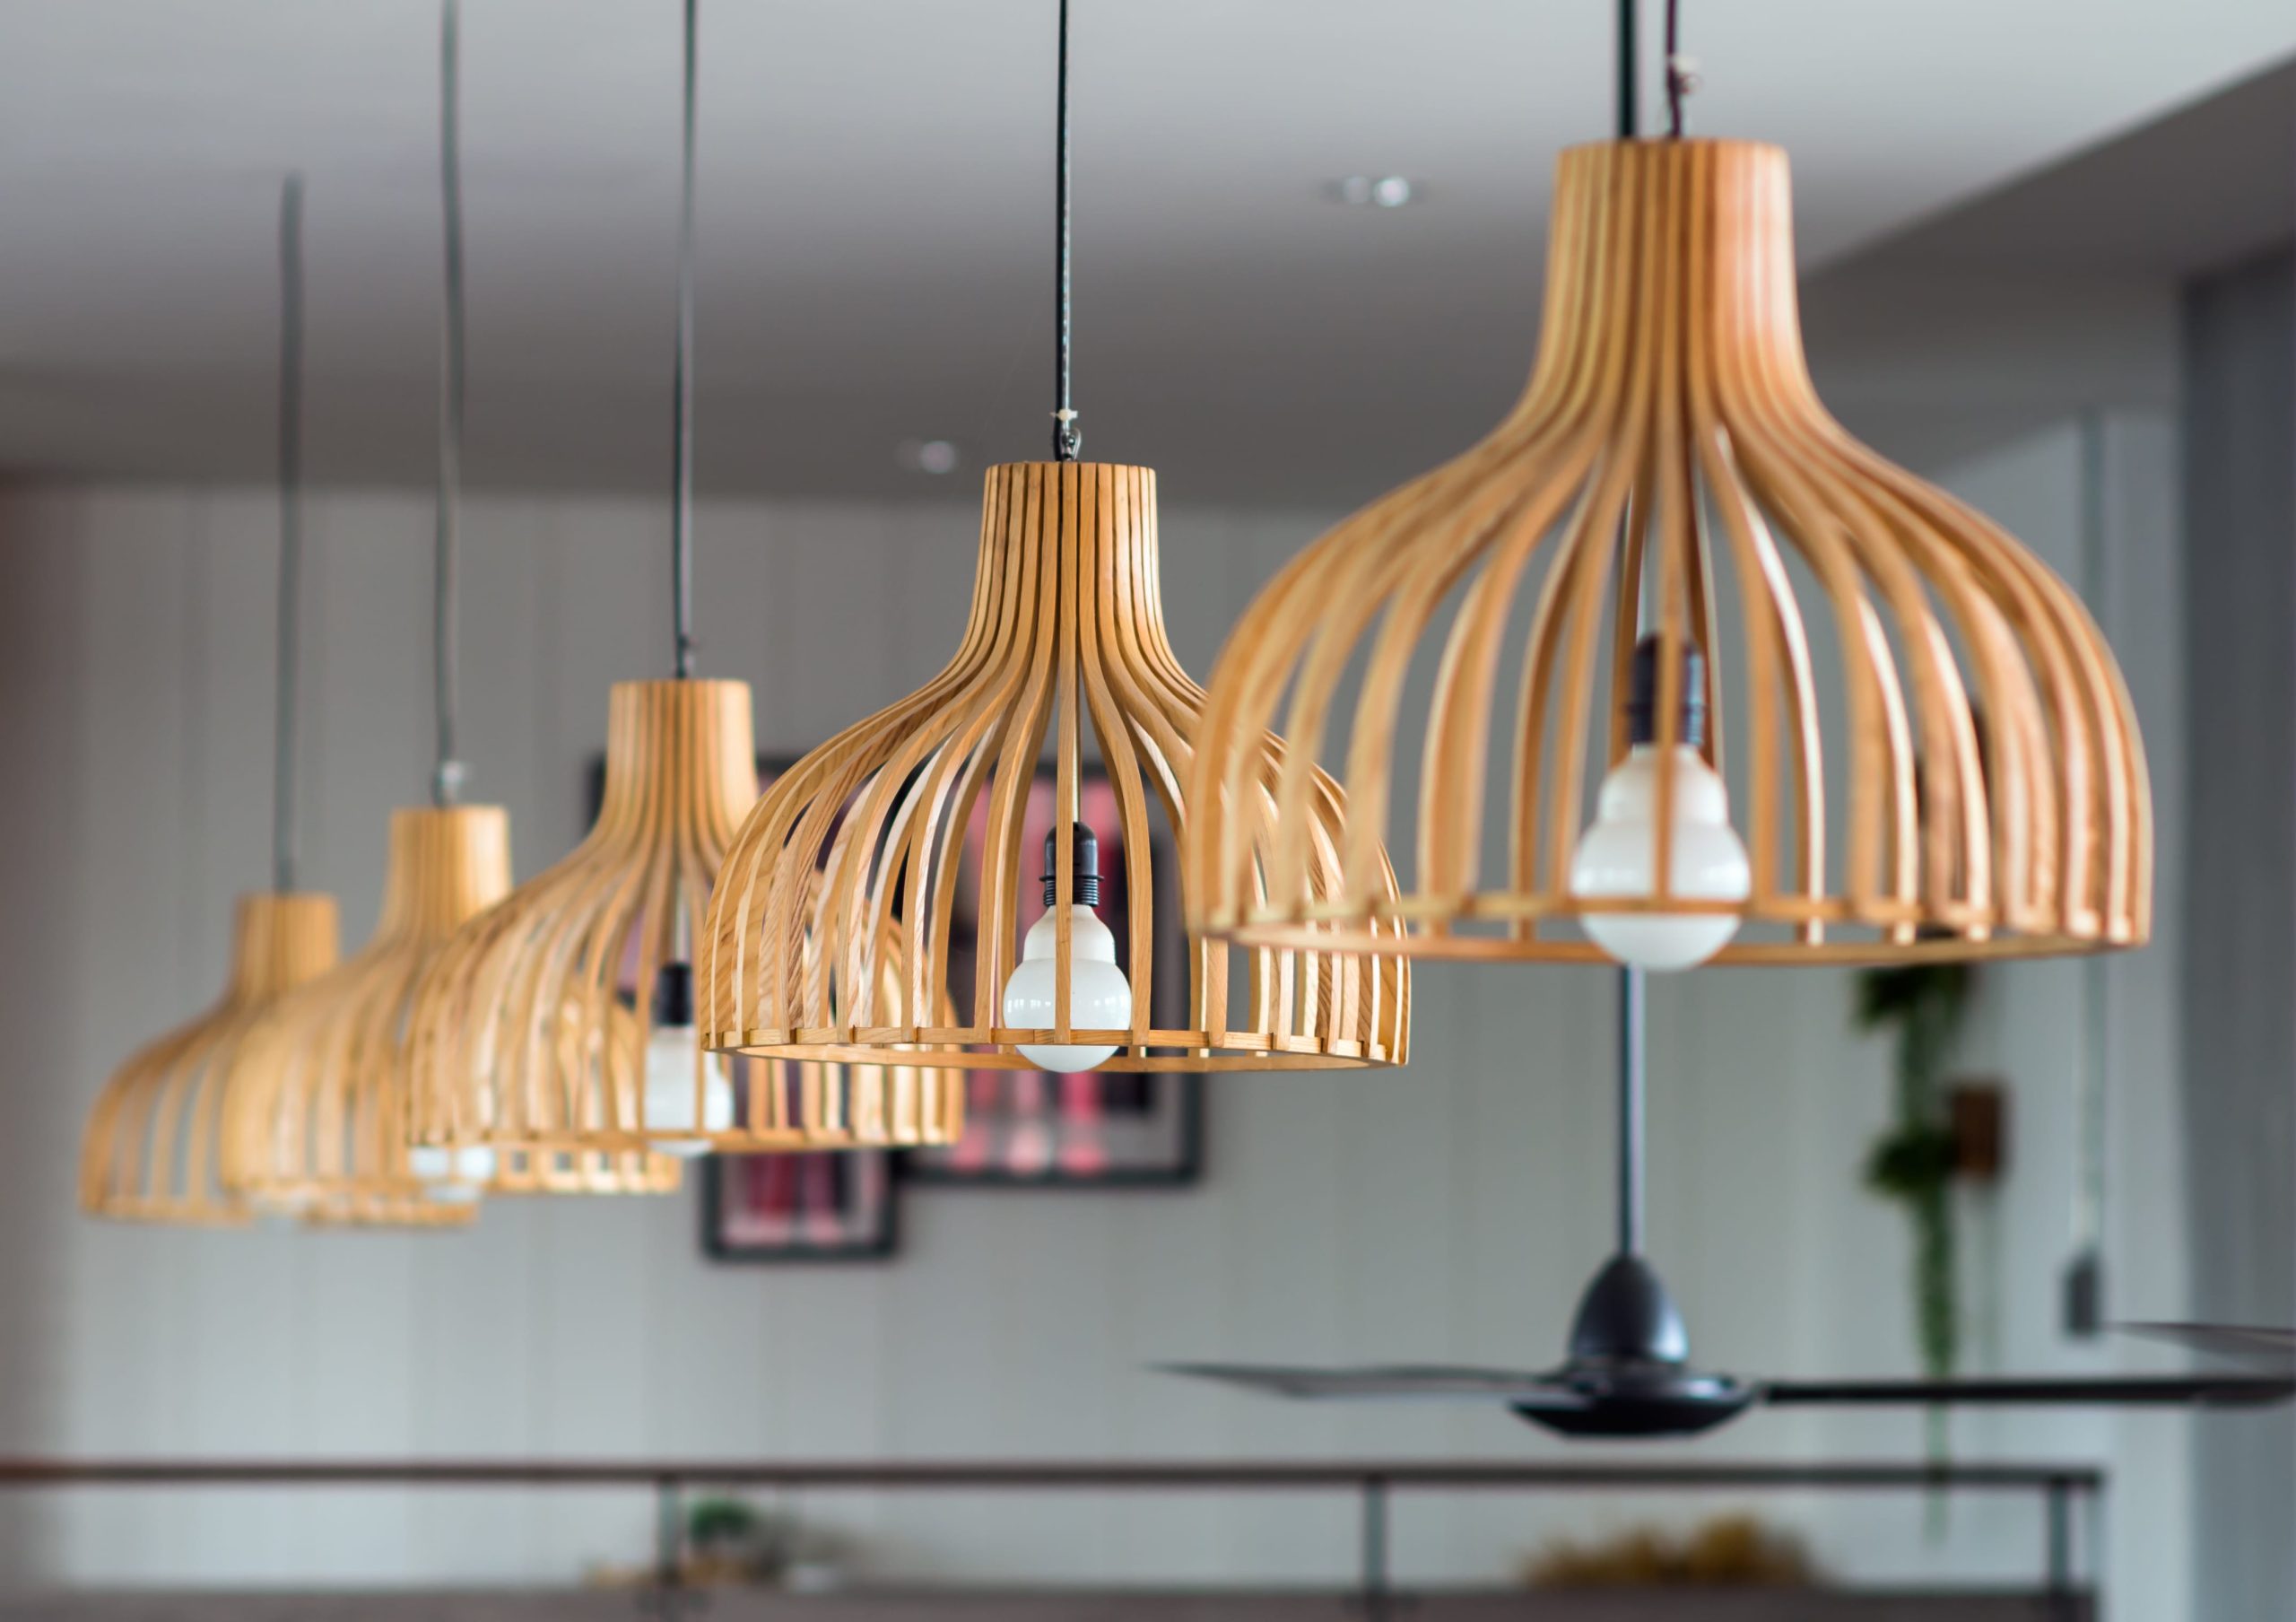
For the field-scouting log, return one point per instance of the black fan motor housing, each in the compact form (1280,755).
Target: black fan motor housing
(1630,1364)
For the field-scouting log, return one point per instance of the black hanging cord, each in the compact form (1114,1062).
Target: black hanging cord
(1629,65)
(681,384)
(446,775)
(1681,74)
(1066,440)
(291,529)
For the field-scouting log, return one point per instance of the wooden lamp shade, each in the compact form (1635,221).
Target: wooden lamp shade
(888,851)
(529,1028)
(153,1146)
(316,1113)
(1971,783)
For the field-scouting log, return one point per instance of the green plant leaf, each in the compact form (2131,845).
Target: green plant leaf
(1911,1160)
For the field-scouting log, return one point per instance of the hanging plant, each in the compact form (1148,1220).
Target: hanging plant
(1922,1005)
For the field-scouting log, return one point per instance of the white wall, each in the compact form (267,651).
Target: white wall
(1446,1212)
(2240,426)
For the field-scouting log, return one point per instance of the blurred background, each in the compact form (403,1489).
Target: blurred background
(2045,254)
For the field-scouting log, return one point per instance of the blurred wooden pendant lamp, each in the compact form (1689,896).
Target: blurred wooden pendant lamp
(315,1119)
(557,1029)
(151,1151)
(912,829)
(1553,610)
(317,1116)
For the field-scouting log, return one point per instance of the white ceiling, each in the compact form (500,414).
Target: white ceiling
(875,214)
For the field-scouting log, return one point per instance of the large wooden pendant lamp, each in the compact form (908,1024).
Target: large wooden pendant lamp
(1962,777)
(151,1151)
(888,836)
(534,1030)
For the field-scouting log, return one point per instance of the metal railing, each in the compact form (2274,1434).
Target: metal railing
(2059,1488)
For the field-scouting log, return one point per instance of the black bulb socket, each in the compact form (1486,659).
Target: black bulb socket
(1084,859)
(1642,694)
(673,1001)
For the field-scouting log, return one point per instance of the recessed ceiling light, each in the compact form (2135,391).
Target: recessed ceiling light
(1376,191)
(928,456)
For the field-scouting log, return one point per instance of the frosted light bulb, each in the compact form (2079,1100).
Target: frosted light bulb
(287,1204)
(1100,998)
(1618,854)
(673,1054)
(451,1176)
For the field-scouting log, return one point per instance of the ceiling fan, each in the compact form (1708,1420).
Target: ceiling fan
(1627,1371)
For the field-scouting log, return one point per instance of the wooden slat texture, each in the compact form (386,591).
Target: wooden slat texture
(863,845)
(315,1115)
(153,1147)
(529,1028)
(1671,453)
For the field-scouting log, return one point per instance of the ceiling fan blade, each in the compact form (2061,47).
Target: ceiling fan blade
(1397,1383)
(2171,1390)
(2225,1339)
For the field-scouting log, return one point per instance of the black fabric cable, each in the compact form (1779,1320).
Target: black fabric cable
(283,850)
(447,774)
(682,383)
(1066,439)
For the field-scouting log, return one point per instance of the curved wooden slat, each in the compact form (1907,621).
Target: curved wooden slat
(528,1026)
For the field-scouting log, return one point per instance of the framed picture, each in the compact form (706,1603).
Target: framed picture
(1091,1129)
(827,1207)
(1031,1129)
(830,1206)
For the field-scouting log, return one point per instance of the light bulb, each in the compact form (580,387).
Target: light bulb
(451,1176)
(1100,998)
(673,1055)
(288,1205)
(1618,854)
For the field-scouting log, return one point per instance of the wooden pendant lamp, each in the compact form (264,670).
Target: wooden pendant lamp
(911,830)
(529,1027)
(530,1030)
(315,1119)
(152,1149)
(1962,777)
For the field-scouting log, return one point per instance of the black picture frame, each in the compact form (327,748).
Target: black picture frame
(1174,1099)
(876,1237)
(869,1177)
(1166,1153)
(1168,1103)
